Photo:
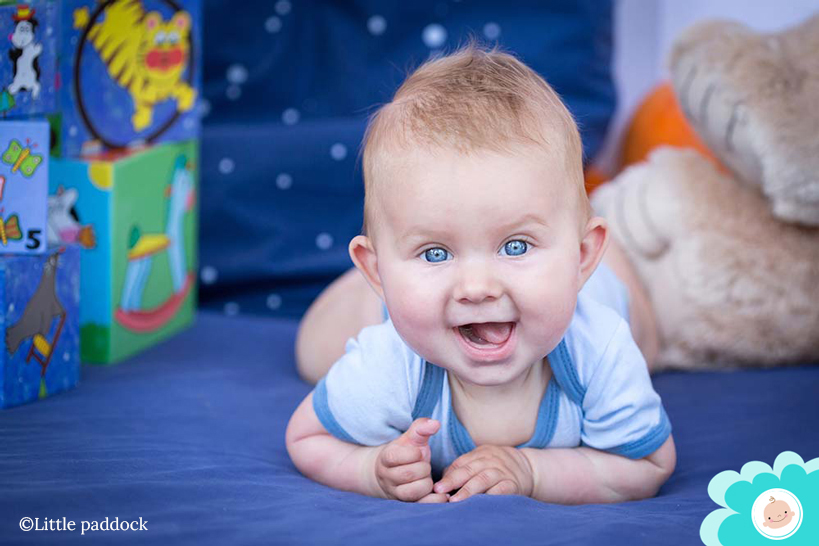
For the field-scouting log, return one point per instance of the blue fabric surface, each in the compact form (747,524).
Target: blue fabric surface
(190,436)
(288,88)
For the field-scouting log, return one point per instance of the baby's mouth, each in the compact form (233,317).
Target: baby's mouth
(487,333)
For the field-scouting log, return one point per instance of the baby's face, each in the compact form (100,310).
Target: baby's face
(479,259)
(777,514)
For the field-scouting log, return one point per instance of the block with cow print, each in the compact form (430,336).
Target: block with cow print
(134,217)
(29,79)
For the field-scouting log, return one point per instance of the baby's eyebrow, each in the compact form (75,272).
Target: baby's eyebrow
(524,221)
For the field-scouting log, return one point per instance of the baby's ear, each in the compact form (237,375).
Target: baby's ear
(362,252)
(592,247)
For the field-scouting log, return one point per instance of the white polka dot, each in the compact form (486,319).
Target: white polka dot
(290,116)
(434,35)
(209,274)
(231,309)
(283,7)
(376,25)
(492,31)
(49,31)
(338,151)
(237,74)
(233,92)
(189,124)
(284,181)
(324,241)
(72,130)
(204,107)
(274,301)
(66,357)
(226,165)
(11,308)
(273,24)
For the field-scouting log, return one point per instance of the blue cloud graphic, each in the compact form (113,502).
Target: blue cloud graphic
(733,524)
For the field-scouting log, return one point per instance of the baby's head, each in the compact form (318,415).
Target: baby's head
(478,231)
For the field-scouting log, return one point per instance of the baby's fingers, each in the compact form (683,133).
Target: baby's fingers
(397,455)
(458,476)
(434,498)
(480,483)
(407,473)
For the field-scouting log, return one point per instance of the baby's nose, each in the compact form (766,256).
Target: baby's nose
(476,283)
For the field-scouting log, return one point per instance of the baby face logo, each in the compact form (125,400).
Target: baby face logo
(762,504)
(777,514)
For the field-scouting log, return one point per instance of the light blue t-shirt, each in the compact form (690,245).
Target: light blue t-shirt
(600,394)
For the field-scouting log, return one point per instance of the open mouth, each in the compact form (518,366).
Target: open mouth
(487,341)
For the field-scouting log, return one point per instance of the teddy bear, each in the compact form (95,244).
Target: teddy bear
(729,252)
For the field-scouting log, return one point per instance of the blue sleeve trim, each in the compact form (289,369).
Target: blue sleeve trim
(649,443)
(564,371)
(322,409)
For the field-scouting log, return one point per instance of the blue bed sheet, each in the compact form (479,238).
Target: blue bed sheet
(190,436)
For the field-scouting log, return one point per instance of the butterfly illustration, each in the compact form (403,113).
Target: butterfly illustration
(21,158)
(10,228)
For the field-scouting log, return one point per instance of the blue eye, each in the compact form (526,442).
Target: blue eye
(436,255)
(516,247)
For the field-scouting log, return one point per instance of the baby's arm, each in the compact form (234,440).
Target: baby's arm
(584,475)
(396,470)
(324,458)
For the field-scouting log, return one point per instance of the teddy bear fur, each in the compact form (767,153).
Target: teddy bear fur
(730,258)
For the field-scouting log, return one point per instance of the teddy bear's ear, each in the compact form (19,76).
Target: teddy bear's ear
(751,97)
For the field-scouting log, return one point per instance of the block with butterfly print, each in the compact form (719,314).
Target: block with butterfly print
(24,161)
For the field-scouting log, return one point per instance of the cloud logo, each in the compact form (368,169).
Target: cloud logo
(763,504)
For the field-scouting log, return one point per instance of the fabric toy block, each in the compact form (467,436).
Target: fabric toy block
(23,186)
(135,216)
(40,321)
(28,65)
(131,73)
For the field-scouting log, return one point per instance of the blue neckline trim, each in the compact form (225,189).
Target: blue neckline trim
(322,409)
(544,428)
(430,391)
(566,374)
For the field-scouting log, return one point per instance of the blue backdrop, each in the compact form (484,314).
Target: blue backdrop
(288,86)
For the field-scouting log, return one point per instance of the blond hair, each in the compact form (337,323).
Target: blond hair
(473,99)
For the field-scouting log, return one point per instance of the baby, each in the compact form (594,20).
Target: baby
(504,361)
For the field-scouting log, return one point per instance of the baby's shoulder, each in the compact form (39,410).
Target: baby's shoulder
(383,354)
(595,331)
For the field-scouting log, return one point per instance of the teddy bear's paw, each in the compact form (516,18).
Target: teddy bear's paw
(751,97)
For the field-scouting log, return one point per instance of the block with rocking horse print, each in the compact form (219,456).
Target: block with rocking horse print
(40,324)
(134,215)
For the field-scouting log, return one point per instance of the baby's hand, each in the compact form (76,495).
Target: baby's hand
(403,467)
(494,470)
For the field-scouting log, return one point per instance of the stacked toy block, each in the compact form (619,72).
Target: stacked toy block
(135,217)
(39,286)
(125,186)
(39,316)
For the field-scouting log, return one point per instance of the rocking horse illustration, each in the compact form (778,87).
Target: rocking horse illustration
(143,247)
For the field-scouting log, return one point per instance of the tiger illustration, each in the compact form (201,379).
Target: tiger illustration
(144,54)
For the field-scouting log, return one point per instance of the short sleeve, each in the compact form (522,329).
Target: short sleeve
(622,413)
(367,396)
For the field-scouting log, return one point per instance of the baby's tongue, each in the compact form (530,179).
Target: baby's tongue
(493,332)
